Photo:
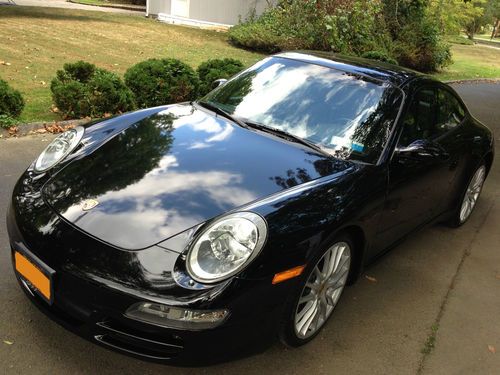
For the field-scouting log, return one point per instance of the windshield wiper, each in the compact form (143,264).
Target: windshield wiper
(221,112)
(286,135)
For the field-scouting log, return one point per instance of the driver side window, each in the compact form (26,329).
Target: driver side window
(420,120)
(433,112)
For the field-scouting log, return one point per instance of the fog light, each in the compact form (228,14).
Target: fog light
(175,317)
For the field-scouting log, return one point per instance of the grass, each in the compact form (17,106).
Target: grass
(471,62)
(38,41)
(430,343)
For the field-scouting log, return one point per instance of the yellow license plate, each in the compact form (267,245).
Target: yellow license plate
(39,278)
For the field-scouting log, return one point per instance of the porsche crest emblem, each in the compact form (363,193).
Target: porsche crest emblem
(89,204)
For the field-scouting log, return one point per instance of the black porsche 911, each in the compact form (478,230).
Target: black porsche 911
(198,232)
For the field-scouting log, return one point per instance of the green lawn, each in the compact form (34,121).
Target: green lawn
(472,61)
(38,41)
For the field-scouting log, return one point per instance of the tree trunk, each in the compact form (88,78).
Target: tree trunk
(496,27)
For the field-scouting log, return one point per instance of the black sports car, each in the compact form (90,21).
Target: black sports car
(197,232)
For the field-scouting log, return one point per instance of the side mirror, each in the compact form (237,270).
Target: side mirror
(421,150)
(218,82)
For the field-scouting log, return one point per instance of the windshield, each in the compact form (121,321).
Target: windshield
(347,115)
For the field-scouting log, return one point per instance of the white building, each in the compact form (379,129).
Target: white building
(215,13)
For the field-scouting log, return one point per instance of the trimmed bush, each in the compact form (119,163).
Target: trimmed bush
(81,89)
(11,101)
(380,56)
(214,69)
(157,82)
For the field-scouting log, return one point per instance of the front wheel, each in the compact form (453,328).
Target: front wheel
(470,197)
(320,292)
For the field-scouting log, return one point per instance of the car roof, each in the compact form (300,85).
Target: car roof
(379,70)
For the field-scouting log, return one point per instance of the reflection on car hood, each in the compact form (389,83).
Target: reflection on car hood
(174,170)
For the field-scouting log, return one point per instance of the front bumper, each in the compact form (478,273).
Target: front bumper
(94,307)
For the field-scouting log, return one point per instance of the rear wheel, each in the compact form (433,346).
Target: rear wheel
(470,197)
(319,293)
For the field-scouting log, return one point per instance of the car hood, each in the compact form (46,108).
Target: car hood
(174,170)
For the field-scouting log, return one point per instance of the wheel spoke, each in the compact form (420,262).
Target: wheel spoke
(322,290)
(307,298)
(306,321)
(307,310)
(318,273)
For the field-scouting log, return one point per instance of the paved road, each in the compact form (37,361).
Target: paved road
(441,277)
(68,5)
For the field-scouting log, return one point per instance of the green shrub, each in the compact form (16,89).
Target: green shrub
(81,89)
(402,31)
(357,27)
(421,47)
(157,82)
(380,56)
(214,69)
(11,101)
(291,25)
(7,122)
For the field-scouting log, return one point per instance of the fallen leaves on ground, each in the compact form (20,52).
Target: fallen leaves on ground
(492,349)
(370,278)
(57,128)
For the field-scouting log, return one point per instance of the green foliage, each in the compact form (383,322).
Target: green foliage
(11,101)
(389,30)
(380,56)
(420,46)
(292,24)
(157,82)
(7,122)
(458,39)
(214,69)
(356,27)
(81,89)
(418,40)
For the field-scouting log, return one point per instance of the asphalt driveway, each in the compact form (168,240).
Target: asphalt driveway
(431,305)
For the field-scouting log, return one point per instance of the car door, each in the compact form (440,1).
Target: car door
(422,166)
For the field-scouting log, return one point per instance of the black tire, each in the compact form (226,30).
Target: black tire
(456,220)
(288,334)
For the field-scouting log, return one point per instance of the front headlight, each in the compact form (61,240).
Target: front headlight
(58,149)
(226,247)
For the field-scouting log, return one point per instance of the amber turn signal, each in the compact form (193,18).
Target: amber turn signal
(288,274)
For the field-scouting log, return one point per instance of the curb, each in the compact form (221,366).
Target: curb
(474,80)
(115,6)
(40,128)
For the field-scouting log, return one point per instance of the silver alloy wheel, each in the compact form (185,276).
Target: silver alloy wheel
(322,290)
(472,193)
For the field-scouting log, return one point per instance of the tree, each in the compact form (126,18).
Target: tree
(492,12)
(473,13)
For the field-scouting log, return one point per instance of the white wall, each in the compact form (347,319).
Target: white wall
(219,11)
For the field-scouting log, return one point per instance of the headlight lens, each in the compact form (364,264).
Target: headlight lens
(226,247)
(59,148)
